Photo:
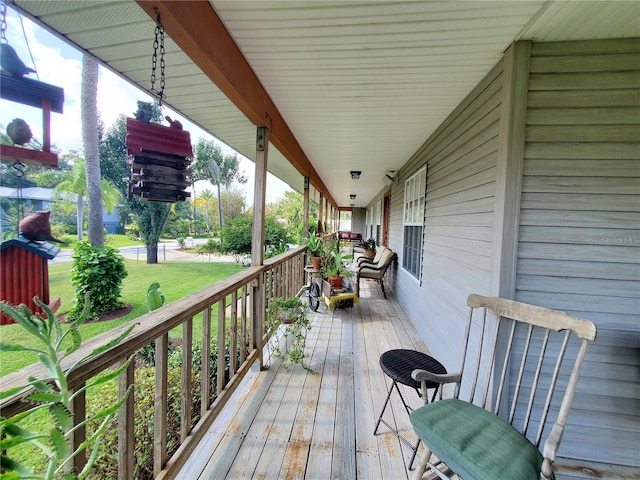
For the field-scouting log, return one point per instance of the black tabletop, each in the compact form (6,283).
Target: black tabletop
(398,365)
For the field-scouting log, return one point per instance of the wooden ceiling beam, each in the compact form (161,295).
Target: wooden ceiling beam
(199,32)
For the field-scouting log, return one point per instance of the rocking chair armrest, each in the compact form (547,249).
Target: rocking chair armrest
(551,445)
(434,380)
(552,442)
(441,378)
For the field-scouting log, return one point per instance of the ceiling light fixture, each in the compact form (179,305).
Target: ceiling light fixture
(352,196)
(355,175)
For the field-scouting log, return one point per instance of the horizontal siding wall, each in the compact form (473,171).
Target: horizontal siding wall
(458,231)
(579,237)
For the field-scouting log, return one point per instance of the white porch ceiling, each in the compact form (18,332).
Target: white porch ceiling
(361,84)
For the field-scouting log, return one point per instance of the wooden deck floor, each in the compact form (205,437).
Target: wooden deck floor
(289,424)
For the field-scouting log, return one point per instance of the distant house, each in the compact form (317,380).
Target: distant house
(39,198)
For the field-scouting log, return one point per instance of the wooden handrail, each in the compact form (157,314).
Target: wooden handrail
(280,276)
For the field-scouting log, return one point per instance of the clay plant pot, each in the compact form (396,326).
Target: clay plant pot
(336,282)
(316,262)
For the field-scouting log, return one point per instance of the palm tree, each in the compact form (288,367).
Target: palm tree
(74,182)
(206,196)
(89,109)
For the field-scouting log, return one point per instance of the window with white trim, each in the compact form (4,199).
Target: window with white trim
(369,222)
(413,221)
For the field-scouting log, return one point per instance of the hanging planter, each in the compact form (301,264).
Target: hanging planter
(157,154)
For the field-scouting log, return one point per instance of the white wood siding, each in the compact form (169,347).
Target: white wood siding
(579,238)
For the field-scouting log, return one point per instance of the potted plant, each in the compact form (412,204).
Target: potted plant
(292,313)
(315,247)
(335,269)
(369,248)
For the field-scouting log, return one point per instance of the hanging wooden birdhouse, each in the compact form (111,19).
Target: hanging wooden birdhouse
(157,156)
(28,91)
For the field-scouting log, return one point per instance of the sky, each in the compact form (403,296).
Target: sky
(59,64)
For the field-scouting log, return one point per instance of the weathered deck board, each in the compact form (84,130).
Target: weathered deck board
(290,424)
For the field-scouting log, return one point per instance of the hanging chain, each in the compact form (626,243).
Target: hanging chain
(18,169)
(3,21)
(158,42)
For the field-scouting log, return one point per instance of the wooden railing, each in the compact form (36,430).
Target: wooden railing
(240,303)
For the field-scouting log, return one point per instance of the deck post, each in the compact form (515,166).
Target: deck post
(320,207)
(326,215)
(305,213)
(257,244)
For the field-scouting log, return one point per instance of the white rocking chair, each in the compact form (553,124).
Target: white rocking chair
(519,349)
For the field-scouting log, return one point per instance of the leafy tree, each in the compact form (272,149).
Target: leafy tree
(206,196)
(234,204)
(74,181)
(290,209)
(237,234)
(151,217)
(274,232)
(206,151)
(113,155)
(179,220)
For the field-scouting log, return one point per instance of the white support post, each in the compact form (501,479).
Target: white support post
(305,213)
(257,244)
(320,212)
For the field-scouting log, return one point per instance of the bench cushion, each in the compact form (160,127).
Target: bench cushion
(475,443)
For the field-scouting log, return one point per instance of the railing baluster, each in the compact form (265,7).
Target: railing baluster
(257,284)
(251,309)
(205,389)
(126,423)
(221,346)
(233,349)
(160,405)
(257,317)
(186,398)
(79,412)
(243,323)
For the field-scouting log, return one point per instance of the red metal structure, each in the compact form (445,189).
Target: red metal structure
(49,98)
(24,272)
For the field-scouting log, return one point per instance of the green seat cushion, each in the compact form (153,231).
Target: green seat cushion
(475,443)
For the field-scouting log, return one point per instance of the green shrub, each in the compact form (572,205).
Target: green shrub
(212,246)
(276,250)
(98,271)
(144,393)
(146,356)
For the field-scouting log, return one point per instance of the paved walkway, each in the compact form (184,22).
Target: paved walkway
(167,251)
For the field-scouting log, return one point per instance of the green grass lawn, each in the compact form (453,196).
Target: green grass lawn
(177,280)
